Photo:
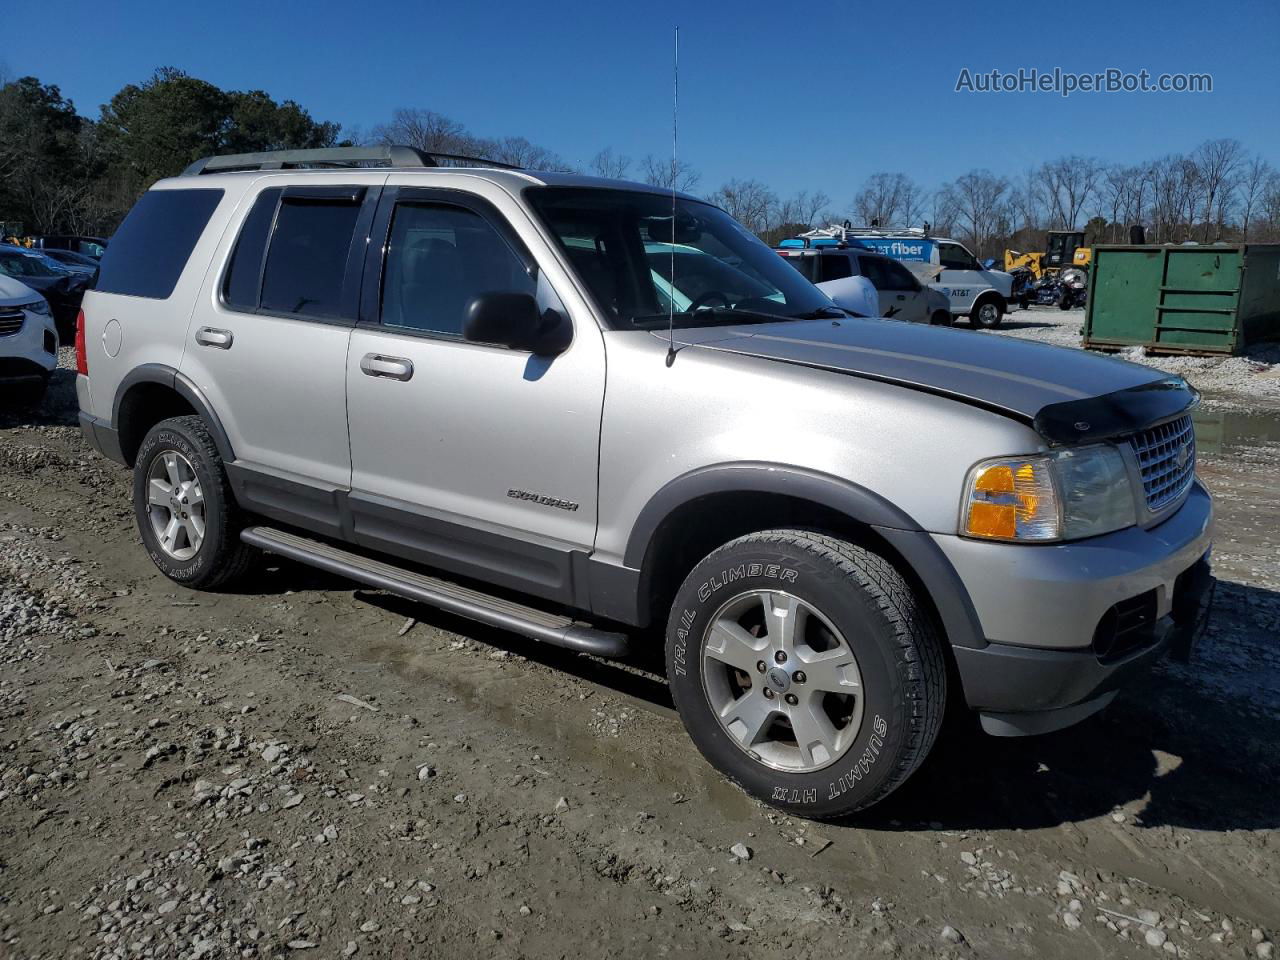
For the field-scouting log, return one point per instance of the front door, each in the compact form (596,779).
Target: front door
(474,458)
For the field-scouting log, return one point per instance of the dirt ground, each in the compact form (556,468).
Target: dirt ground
(305,768)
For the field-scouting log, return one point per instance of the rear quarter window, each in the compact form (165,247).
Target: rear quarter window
(149,251)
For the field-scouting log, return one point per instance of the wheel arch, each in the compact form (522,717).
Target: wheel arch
(991,294)
(153,392)
(695,513)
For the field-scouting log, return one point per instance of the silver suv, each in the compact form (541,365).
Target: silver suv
(588,411)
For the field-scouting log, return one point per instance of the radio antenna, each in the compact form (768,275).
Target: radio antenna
(675,141)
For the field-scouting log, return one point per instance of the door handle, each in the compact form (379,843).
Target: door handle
(212,337)
(393,368)
(902,296)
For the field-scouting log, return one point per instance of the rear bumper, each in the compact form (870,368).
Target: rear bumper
(100,435)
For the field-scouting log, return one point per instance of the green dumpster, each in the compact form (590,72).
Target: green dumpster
(1206,299)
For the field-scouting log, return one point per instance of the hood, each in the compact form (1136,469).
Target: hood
(1069,396)
(15,291)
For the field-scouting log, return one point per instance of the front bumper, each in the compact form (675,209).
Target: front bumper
(30,354)
(1048,615)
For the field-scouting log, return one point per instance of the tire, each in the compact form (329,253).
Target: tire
(219,558)
(942,318)
(899,667)
(988,313)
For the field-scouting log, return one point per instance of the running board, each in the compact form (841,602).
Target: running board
(472,604)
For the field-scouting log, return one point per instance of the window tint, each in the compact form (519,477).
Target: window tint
(151,248)
(439,259)
(308,256)
(835,267)
(807,265)
(240,287)
(954,257)
(899,277)
(873,269)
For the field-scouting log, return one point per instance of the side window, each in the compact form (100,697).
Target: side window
(873,269)
(439,258)
(835,267)
(806,265)
(243,280)
(307,261)
(900,278)
(952,256)
(150,249)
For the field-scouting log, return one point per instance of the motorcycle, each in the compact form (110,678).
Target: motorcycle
(1073,288)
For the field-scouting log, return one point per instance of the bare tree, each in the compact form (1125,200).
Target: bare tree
(804,209)
(668,173)
(606,163)
(1254,177)
(887,199)
(978,202)
(427,130)
(749,202)
(1217,163)
(1069,184)
(1270,204)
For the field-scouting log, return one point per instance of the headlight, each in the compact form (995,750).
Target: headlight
(40,306)
(1081,492)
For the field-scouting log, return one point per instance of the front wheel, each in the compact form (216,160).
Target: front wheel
(987,314)
(186,513)
(805,669)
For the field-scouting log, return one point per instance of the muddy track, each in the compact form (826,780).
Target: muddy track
(303,767)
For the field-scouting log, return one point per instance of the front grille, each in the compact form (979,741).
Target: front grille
(1167,456)
(10,322)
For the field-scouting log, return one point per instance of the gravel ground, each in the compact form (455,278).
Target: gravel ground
(303,768)
(1247,382)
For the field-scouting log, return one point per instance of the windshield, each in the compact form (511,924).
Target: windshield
(624,245)
(30,265)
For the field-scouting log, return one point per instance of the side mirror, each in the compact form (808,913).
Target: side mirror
(513,320)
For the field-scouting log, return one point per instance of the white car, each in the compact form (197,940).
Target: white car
(869,284)
(28,342)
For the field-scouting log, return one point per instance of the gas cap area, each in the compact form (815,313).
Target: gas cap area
(112,338)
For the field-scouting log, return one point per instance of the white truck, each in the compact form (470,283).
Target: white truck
(984,296)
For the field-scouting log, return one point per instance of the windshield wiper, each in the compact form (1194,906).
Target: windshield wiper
(822,313)
(713,314)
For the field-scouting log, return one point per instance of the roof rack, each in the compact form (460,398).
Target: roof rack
(393,156)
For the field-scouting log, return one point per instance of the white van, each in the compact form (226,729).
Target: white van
(944,264)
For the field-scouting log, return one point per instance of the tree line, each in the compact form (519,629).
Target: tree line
(61,172)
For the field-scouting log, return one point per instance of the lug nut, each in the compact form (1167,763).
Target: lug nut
(791,699)
(768,694)
(760,667)
(798,676)
(780,657)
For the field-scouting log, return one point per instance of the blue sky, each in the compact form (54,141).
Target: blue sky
(798,95)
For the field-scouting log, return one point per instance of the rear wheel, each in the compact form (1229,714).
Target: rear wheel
(186,514)
(805,670)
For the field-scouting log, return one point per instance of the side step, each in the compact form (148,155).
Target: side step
(472,604)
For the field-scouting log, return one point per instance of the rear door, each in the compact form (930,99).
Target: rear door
(474,458)
(268,343)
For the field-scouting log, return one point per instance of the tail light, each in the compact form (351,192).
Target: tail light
(82,356)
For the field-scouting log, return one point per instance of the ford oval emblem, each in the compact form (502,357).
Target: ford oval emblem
(1084,426)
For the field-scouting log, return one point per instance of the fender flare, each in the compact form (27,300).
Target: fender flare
(167,376)
(916,547)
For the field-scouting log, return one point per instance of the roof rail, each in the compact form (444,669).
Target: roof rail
(394,156)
